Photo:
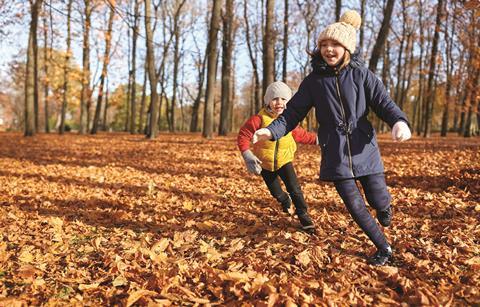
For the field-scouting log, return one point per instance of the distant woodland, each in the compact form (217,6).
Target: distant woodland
(202,66)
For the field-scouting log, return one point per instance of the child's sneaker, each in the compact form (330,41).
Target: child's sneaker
(381,257)
(385,217)
(307,223)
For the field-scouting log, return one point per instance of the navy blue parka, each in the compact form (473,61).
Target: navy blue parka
(342,100)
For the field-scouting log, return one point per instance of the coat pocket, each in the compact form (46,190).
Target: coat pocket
(368,132)
(323,138)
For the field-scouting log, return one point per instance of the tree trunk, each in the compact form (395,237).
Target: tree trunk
(106,60)
(208,118)
(143,101)
(227,45)
(285,42)
(400,76)
(338,9)
(362,31)
(431,72)
(449,69)
(233,86)
(473,105)
(459,87)
(196,103)
(36,86)
(463,106)
(386,79)
(473,81)
(46,63)
(418,105)
(85,94)
(408,65)
(470,130)
(30,76)
(152,75)
(176,59)
(268,46)
(162,71)
(105,111)
(253,59)
(126,126)
(133,94)
(382,36)
(61,129)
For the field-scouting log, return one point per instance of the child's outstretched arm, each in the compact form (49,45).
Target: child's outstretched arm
(302,136)
(381,103)
(244,138)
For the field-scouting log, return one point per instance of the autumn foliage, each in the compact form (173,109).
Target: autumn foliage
(115,219)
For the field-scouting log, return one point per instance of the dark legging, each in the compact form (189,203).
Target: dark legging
(289,178)
(377,196)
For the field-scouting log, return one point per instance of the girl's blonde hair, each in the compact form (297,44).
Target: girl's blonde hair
(346,59)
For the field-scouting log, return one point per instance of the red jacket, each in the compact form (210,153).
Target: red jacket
(254,123)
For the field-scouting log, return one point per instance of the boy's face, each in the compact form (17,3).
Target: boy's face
(277,105)
(332,51)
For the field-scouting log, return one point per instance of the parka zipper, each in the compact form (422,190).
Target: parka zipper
(350,164)
(275,160)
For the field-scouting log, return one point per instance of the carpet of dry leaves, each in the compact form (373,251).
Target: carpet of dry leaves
(115,219)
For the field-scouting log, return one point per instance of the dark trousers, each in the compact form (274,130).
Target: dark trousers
(289,178)
(377,196)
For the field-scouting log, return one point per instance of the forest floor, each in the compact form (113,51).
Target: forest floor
(115,219)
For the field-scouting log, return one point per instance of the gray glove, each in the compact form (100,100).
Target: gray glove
(252,162)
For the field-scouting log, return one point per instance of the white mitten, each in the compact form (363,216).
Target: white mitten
(262,134)
(400,131)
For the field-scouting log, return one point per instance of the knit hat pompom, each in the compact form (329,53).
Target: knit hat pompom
(352,18)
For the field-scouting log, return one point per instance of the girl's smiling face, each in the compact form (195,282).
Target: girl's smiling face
(277,105)
(332,52)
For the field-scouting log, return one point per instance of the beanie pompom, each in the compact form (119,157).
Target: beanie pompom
(352,18)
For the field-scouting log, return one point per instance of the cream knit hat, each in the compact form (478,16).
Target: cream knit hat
(343,31)
(277,89)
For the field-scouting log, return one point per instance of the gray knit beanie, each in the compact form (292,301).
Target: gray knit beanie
(277,89)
